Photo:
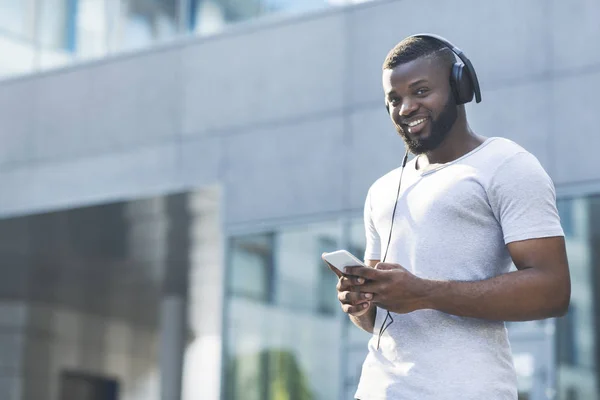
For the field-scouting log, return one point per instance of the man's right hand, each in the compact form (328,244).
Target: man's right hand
(353,303)
(356,305)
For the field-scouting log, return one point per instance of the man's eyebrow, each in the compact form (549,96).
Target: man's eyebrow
(419,82)
(412,85)
(390,93)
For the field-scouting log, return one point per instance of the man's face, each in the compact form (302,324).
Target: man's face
(420,103)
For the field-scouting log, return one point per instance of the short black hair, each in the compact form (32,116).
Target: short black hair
(414,47)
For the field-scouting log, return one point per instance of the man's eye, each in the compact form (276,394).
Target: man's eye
(394,102)
(422,91)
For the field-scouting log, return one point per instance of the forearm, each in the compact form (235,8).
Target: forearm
(366,322)
(528,294)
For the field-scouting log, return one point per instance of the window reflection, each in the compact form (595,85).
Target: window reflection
(42,34)
(91,28)
(285,344)
(577,337)
(252,266)
(293,5)
(302,280)
(357,338)
(209,16)
(18,56)
(142,22)
(55,23)
(16,18)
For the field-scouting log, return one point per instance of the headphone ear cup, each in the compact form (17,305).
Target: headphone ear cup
(461,84)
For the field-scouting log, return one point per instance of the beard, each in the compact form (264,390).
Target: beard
(440,127)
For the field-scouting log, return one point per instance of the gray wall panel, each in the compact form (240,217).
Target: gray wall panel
(135,100)
(61,110)
(201,161)
(285,171)
(16,121)
(575,33)
(375,150)
(269,74)
(108,106)
(576,138)
(519,113)
(499,51)
(136,173)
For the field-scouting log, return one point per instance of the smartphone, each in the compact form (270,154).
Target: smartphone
(340,259)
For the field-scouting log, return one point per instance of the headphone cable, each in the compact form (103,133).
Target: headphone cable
(388,315)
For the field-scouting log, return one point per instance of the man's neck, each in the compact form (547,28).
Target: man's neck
(459,142)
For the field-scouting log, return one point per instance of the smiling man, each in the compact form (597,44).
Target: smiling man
(468,207)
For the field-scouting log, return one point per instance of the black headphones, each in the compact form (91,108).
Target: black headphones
(463,78)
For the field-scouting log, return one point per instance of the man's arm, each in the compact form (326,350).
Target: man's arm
(541,288)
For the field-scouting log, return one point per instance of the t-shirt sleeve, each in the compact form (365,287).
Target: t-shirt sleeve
(373,242)
(523,199)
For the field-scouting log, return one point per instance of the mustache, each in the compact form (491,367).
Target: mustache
(405,120)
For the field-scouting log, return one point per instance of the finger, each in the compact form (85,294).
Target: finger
(354,298)
(369,287)
(364,272)
(346,282)
(349,309)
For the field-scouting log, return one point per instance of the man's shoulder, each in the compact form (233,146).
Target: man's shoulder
(385,181)
(505,147)
(495,152)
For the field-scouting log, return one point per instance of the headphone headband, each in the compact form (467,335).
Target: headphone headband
(463,58)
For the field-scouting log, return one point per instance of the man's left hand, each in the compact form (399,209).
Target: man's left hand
(393,287)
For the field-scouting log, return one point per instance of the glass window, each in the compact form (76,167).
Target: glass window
(139,23)
(91,28)
(357,338)
(56,18)
(17,56)
(210,16)
(77,385)
(293,5)
(18,17)
(289,347)
(251,271)
(302,280)
(577,336)
(54,58)
(565,210)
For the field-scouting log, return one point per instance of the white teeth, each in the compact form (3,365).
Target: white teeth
(417,122)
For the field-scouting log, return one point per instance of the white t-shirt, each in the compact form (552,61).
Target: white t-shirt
(453,223)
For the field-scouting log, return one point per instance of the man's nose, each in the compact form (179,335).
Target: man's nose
(408,107)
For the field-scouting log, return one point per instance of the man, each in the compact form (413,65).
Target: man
(469,207)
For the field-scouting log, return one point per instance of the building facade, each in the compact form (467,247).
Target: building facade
(163,209)
(38,35)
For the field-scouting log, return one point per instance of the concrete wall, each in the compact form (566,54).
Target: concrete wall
(287,114)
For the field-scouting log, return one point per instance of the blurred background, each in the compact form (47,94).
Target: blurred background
(171,171)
